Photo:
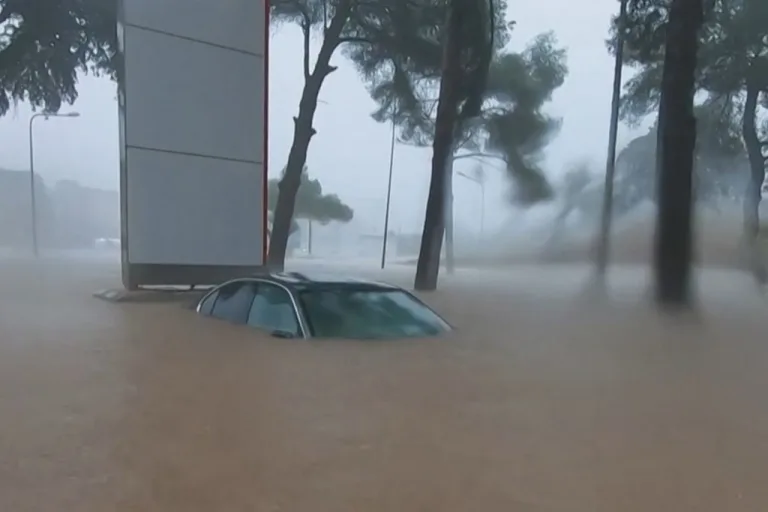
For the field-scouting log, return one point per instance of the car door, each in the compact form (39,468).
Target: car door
(233,301)
(273,310)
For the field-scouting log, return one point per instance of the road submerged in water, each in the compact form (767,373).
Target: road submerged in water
(539,402)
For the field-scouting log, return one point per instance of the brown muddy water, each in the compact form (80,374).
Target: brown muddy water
(536,403)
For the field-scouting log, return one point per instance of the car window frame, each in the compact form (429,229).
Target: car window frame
(212,296)
(217,291)
(303,331)
(378,287)
(416,298)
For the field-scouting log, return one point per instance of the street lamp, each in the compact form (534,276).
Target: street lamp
(603,242)
(33,200)
(478,178)
(389,195)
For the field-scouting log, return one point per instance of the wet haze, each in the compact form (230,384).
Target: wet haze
(538,401)
(349,144)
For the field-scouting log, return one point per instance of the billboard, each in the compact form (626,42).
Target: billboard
(193,129)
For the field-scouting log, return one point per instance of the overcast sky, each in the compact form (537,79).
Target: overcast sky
(350,152)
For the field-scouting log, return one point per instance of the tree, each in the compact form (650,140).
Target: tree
(511,126)
(374,33)
(718,159)
(270,221)
(44,44)
(732,69)
(514,126)
(468,50)
(312,203)
(572,189)
(675,155)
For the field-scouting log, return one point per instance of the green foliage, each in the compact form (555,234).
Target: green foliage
(513,124)
(45,43)
(577,178)
(510,123)
(403,71)
(733,50)
(386,40)
(718,160)
(311,203)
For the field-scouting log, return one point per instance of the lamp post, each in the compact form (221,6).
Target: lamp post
(32,195)
(603,243)
(478,178)
(389,195)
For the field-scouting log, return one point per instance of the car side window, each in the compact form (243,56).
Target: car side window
(272,310)
(234,302)
(206,307)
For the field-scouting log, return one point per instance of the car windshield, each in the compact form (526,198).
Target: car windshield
(368,314)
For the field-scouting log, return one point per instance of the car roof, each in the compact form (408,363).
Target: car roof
(306,281)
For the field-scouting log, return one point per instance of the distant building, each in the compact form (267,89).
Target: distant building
(16,210)
(68,215)
(84,214)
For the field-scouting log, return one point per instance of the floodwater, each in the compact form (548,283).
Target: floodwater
(537,403)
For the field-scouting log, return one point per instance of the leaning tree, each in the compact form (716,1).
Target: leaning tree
(374,34)
(312,204)
(467,54)
(511,127)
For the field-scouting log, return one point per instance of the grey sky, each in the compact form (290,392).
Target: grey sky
(350,152)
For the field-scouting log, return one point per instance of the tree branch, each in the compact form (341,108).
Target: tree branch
(325,17)
(479,156)
(361,40)
(306,30)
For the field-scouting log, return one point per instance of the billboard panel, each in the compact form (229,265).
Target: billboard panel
(193,139)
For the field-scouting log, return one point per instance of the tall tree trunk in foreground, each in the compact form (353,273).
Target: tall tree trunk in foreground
(303,133)
(676,143)
(753,194)
(428,266)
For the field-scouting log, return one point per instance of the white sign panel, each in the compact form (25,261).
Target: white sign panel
(193,89)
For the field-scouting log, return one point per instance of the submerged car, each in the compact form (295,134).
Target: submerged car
(294,305)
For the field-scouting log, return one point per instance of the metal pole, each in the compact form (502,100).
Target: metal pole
(32,195)
(309,237)
(389,196)
(482,210)
(601,262)
(481,183)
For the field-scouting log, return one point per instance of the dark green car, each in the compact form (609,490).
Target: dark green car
(294,305)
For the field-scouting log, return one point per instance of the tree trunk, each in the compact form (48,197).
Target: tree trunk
(753,193)
(302,135)
(428,266)
(450,260)
(675,156)
(289,184)
(558,226)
